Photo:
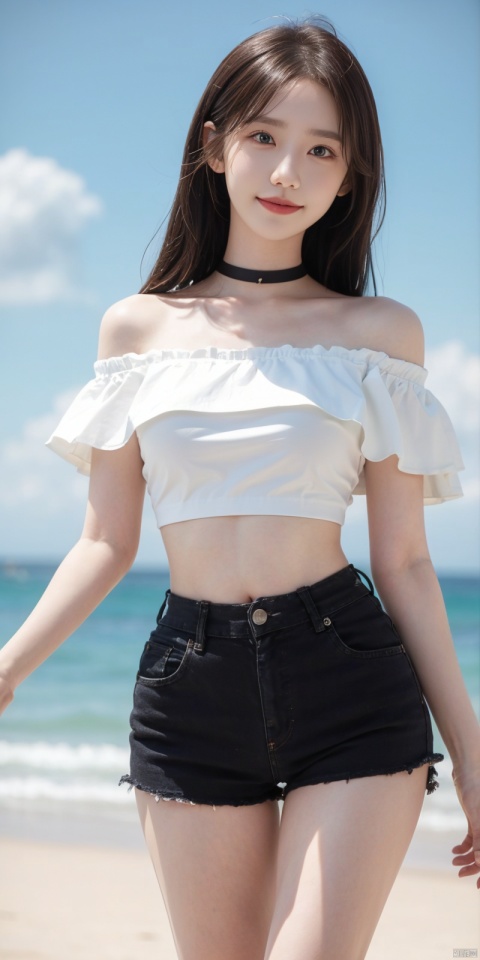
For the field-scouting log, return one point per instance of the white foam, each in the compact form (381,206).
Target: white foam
(88,774)
(14,789)
(63,756)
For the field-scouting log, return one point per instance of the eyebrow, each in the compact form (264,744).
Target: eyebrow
(331,134)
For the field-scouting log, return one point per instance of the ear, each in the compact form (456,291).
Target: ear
(209,132)
(345,187)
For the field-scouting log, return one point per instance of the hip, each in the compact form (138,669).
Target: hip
(316,677)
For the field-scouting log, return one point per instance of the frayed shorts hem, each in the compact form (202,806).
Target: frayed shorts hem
(212,803)
(281,793)
(432,782)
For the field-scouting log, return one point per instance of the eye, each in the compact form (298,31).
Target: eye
(261,133)
(321,155)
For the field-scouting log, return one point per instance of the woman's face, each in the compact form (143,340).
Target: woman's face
(292,152)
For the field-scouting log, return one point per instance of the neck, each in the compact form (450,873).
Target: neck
(246,249)
(247,275)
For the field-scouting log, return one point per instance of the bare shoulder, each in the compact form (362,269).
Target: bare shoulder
(391,327)
(126,325)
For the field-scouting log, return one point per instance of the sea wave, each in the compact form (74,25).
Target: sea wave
(15,789)
(87,774)
(63,756)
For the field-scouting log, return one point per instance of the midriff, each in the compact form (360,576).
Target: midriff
(237,559)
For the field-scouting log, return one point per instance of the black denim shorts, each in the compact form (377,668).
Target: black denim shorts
(237,703)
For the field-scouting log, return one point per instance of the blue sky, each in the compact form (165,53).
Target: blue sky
(98,98)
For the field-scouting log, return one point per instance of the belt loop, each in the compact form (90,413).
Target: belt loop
(162,608)
(370,584)
(199,644)
(306,596)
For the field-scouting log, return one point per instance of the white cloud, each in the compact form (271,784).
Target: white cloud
(454,377)
(29,473)
(43,209)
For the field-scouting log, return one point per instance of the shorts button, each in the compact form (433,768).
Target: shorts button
(259,616)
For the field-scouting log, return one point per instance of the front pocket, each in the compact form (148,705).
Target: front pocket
(165,657)
(363,629)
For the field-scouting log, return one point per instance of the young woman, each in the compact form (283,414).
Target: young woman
(254,388)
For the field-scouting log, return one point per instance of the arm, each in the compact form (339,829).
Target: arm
(101,557)
(411,594)
(401,564)
(407,584)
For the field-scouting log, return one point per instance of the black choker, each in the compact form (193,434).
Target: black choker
(261,276)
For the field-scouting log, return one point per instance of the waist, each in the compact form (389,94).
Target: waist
(237,558)
(279,610)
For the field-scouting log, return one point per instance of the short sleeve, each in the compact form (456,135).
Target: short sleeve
(102,415)
(401,416)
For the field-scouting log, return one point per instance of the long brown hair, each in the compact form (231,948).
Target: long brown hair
(337,248)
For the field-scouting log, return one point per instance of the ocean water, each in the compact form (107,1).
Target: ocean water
(64,739)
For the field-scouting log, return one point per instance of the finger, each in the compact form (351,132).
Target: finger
(466,844)
(461,850)
(469,871)
(465,858)
(476,844)
(462,859)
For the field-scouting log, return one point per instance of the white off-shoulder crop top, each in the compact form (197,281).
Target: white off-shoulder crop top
(262,430)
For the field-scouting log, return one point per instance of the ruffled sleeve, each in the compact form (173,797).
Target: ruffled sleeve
(400,416)
(102,415)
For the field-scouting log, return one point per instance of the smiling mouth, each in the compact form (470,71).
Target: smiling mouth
(279,206)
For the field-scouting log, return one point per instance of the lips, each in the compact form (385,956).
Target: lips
(277,205)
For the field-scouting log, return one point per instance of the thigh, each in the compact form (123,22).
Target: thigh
(216,868)
(340,848)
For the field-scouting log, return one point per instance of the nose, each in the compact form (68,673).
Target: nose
(285,174)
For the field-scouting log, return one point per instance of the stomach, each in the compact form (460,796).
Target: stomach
(237,559)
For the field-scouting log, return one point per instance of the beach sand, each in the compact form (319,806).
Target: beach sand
(62,901)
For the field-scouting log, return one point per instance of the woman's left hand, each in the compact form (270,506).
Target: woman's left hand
(467,785)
